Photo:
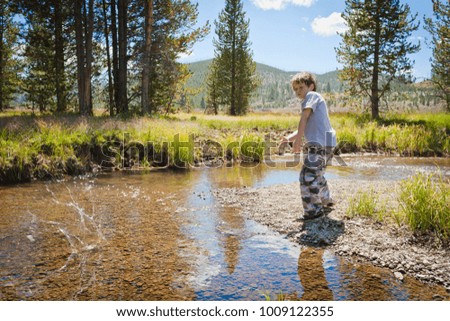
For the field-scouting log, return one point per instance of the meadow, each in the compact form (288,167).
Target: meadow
(48,146)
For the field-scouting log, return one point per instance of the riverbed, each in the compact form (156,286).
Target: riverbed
(169,235)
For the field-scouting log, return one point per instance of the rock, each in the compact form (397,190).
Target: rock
(390,247)
(400,269)
(398,276)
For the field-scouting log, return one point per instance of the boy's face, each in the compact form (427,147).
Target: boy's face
(301,89)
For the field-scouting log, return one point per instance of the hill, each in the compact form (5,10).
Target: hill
(274,90)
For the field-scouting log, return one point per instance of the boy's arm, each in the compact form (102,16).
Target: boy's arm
(298,139)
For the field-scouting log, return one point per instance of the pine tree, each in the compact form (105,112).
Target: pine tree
(232,77)
(45,51)
(84,29)
(374,49)
(213,84)
(40,65)
(439,27)
(202,103)
(9,66)
(106,32)
(148,26)
(172,33)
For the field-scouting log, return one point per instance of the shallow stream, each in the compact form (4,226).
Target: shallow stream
(162,236)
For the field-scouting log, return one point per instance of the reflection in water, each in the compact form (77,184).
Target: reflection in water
(232,228)
(374,286)
(366,282)
(238,176)
(163,236)
(312,275)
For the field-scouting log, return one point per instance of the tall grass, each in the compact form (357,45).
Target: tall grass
(366,204)
(257,122)
(425,202)
(407,135)
(24,138)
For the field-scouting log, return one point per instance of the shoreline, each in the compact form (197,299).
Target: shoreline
(46,168)
(48,147)
(360,239)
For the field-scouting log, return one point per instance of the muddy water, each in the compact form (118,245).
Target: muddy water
(162,236)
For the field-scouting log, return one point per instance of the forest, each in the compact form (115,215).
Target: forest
(121,57)
(126,175)
(77,56)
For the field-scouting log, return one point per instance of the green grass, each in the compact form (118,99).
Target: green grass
(366,204)
(407,135)
(425,204)
(48,143)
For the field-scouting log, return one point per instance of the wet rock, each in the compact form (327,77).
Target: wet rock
(398,276)
(438,297)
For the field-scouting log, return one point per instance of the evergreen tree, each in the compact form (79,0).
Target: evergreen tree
(122,37)
(105,14)
(45,42)
(202,103)
(439,27)
(232,77)
(39,83)
(212,83)
(84,30)
(374,49)
(58,17)
(172,33)
(9,65)
(145,81)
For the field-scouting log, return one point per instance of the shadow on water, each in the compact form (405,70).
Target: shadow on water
(163,236)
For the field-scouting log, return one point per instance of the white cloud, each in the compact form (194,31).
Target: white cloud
(281,4)
(328,26)
(182,55)
(185,56)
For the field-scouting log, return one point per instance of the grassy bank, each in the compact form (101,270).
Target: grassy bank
(43,147)
(422,204)
(406,135)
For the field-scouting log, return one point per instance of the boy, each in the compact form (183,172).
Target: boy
(320,139)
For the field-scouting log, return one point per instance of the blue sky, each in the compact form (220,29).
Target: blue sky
(295,35)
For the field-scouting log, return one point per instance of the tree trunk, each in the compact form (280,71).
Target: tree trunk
(108,60)
(59,59)
(2,31)
(84,26)
(115,58)
(233,110)
(89,56)
(122,86)
(145,101)
(374,97)
(80,53)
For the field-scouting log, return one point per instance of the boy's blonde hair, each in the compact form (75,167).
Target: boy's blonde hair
(306,78)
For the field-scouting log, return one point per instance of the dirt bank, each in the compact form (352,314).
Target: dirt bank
(360,239)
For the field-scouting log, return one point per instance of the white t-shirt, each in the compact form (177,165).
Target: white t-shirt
(318,129)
